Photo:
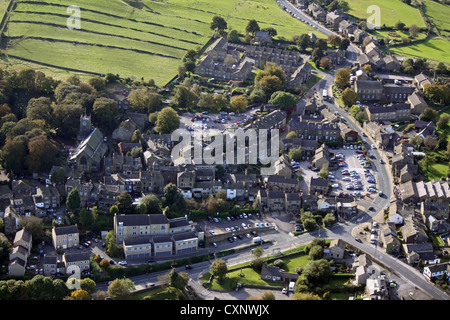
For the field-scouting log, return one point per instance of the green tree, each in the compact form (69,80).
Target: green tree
(399,25)
(233,36)
(349,97)
(315,253)
(282,99)
(167,121)
(303,42)
(238,104)
(317,271)
(124,203)
(178,280)
(219,269)
(42,154)
(73,200)
(342,77)
(144,99)
(105,113)
(153,204)
(218,23)
(120,289)
(252,27)
(295,154)
(174,200)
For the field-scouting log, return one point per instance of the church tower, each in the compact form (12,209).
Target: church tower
(85,126)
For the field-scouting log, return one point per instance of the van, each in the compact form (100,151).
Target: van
(291,286)
(258,240)
(372,239)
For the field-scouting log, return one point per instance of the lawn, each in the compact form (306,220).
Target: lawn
(144,41)
(391,11)
(437,171)
(433,49)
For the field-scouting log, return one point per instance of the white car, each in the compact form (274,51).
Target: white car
(123,263)
(336,185)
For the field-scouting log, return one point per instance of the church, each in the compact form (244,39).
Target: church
(88,155)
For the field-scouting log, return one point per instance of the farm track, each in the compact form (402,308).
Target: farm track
(109,25)
(99,33)
(94,45)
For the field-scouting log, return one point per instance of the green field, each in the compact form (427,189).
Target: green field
(438,13)
(433,49)
(144,41)
(391,11)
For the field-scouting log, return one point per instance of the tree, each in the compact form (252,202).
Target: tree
(443,121)
(441,68)
(342,77)
(399,25)
(5,246)
(218,23)
(144,99)
(349,97)
(283,99)
(105,113)
(272,32)
(428,114)
(40,109)
(430,142)
(329,219)
(174,200)
(42,154)
(152,203)
(13,155)
(414,30)
(219,269)
(317,271)
(344,44)
(67,119)
(295,154)
(97,83)
(315,253)
(335,41)
(58,176)
(120,289)
(233,36)
(80,294)
(291,135)
(252,27)
(238,104)
(167,121)
(324,172)
(325,63)
(124,203)
(73,200)
(178,280)
(86,218)
(303,42)
(270,84)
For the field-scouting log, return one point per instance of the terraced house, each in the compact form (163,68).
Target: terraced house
(153,235)
(65,237)
(310,130)
(228,61)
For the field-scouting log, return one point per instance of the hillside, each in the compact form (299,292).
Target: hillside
(133,39)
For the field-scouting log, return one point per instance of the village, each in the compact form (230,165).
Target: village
(119,195)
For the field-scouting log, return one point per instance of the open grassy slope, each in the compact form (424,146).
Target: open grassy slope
(147,40)
(391,11)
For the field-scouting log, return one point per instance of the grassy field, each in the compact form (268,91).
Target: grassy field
(144,41)
(434,48)
(391,11)
(438,13)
